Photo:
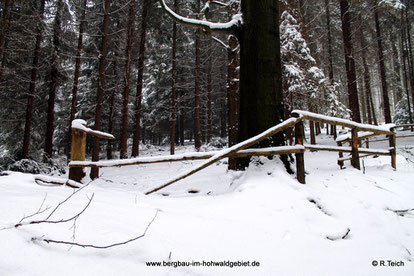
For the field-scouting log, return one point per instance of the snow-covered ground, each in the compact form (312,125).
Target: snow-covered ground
(340,223)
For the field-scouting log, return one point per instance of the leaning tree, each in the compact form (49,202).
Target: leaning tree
(261,96)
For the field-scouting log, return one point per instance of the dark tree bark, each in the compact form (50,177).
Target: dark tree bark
(410,55)
(109,142)
(261,95)
(77,73)
(4,23)
(232,96)
(366,74)
(405,63)
(349,61)
(386,101)
(54,72)
(328,27)
(100,91)
(197,73)
(138,99)
(173,84)
(127,78)
(32,88)
(8,5)
(209,91)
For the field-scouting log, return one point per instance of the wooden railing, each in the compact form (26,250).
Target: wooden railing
(358,132)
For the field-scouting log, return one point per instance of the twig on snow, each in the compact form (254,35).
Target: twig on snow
(98,246)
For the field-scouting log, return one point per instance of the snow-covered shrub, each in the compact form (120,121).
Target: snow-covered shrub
(29,166)
(402,115)
(54,166)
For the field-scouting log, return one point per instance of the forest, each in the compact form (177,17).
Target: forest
(126,68)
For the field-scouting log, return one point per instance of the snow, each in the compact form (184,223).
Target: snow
(337,224)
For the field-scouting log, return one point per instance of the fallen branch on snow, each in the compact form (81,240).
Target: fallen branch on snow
(98,246)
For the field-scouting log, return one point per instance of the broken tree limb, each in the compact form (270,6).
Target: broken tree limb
(230,27)
(226,152)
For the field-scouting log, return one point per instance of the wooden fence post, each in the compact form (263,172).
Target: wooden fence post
(78,148)
(393,151)
(340,155)
(354,144)
(300,161)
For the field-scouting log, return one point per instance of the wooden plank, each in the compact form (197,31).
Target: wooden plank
(187,156)
(347,149)
(338,121)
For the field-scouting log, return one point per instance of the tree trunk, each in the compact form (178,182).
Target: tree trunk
(100,91)
(410,53)
(405,63)
(6,37)
(32,88)
(349,61)
(232,96)
(127,78)
(261,95)
(209,91)
(112,99)
(197,130)
(387,112)
(54,72)
(138,99)
(4,23)
(367,78)
(76,74)
(173,84)
(328,26)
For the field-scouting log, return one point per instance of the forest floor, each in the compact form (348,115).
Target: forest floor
(219,222)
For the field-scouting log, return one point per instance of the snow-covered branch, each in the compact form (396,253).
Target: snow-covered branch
(230,27)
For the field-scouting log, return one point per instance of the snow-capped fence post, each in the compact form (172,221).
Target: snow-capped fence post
(340,156)
(354,144)
(78,147)
(393,151)
(77,153)
(300,161)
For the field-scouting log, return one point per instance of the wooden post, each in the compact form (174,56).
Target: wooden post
(340,154)
(354,144)
(78,147)
(300,161)
(393,151)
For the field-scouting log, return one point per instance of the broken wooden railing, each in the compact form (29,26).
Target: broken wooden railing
(358,132)
(78,146)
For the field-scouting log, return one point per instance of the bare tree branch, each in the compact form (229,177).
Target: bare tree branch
(98,246)
(230,27)
(56,221)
